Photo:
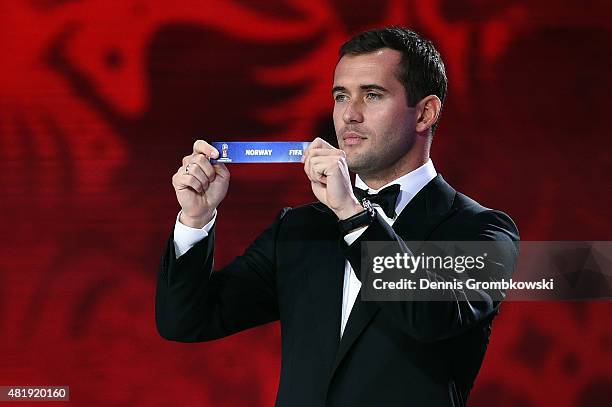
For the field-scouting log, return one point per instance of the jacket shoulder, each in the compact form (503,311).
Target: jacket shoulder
(469,215)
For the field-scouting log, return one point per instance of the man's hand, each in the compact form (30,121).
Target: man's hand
(329,177)
(200,186)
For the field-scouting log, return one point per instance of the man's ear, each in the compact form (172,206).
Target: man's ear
(428,111)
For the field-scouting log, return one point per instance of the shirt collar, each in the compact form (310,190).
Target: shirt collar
(410,184)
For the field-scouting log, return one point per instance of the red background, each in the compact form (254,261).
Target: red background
(100,100)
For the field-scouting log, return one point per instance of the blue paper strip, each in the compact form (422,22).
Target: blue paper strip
(238,152)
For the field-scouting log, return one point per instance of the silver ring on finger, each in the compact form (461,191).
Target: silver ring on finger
(187,168)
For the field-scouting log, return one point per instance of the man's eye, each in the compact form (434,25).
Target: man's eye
(340,98)
(373,96)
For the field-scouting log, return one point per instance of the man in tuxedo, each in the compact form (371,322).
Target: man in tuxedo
(304,269)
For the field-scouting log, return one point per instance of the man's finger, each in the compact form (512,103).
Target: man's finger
(308,169)
(320,152)
(221,170)
(196,170)
(202,161)
(319,146)
(188,181)
(323,166)
(317,174)
(202,147)
(320,143)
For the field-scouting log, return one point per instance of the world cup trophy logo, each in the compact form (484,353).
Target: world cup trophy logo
(224,148)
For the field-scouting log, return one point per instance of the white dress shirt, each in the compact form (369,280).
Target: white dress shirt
(186,237)
(410,184)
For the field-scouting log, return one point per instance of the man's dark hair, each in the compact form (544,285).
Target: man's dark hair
(421,69)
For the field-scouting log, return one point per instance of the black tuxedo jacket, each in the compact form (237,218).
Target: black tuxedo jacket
(391,353)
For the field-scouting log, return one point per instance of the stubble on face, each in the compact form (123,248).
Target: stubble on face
(381,158)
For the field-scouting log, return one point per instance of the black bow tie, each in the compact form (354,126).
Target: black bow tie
(386,198)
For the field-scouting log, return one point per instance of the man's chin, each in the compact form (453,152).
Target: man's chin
(357,164)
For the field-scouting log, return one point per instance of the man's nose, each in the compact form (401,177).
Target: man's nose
(353,112)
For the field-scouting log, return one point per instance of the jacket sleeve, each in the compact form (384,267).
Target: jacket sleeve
(454,311)
(194,303)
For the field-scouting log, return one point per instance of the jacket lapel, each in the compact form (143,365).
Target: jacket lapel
(426,210)
(430,206)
